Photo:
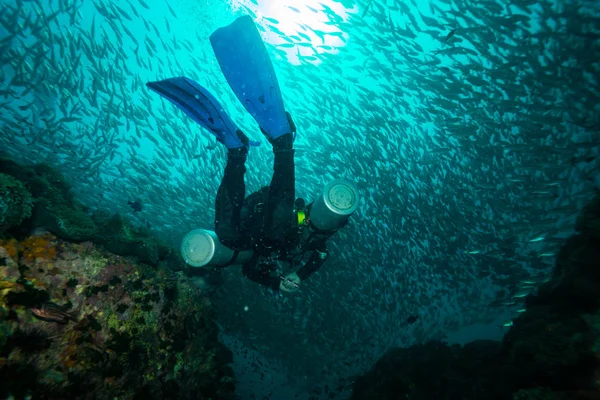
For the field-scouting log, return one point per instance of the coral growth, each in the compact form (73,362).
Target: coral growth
(55,207)
(16,202)
(57,211)
(79,322)
(35,247)
(67,220)
(120,237)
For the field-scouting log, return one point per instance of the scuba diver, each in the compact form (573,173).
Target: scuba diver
(270,233)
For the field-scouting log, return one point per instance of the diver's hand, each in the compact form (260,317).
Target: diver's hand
(289,283)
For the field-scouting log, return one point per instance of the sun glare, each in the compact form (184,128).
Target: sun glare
(303,29)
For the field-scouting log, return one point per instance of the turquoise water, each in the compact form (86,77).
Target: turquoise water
(471,130)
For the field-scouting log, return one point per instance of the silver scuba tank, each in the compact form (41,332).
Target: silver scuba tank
(201,247)
(336,203)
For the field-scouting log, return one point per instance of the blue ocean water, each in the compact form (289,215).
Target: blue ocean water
(471,130)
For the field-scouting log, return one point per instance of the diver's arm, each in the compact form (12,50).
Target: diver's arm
(317,258)
(251,271)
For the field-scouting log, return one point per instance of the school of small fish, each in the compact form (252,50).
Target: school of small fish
(472,129)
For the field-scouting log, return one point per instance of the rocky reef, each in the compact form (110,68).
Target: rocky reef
(552,351)
(78,322)
(92,307)
(38,196)
(16,202)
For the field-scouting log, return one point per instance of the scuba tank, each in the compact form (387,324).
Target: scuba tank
(201,247)
(337,202)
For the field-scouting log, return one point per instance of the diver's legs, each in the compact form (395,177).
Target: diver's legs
(282,191)
(230,199)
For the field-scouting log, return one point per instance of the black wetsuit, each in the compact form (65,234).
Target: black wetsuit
(265,221)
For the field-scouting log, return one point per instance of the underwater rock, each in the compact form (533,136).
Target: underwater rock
(68,221)
(551,352)
(55,207)
(57,211)
(79,322)
(119,236)
(589,219)
(433,370)
(16,202)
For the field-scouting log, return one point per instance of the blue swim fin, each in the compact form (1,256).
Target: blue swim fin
(200,105)
(247,67)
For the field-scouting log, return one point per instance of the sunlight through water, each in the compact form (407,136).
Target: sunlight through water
(302,29)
